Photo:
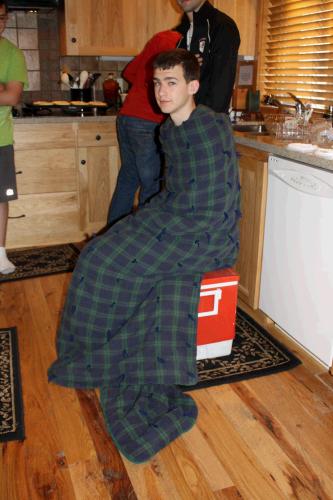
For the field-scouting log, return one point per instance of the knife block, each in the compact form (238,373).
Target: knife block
(84,95)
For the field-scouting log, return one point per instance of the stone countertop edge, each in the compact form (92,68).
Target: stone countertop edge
(64,119)
(270,145)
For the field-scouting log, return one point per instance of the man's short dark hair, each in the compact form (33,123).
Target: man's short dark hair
(4,2)
(171,58)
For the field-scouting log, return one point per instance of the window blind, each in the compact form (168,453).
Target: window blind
(298,51)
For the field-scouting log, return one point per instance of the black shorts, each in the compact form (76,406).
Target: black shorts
(8,189)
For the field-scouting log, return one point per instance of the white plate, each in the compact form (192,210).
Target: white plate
(302,148)
(324,153)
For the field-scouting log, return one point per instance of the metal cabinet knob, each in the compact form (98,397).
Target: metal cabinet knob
(83,162)
(73,40)
(98,137)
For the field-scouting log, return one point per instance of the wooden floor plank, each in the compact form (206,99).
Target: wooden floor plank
(152,479)
(77,445)
(237,457)
(55,289)
(108,456)
(267,448)
(327,379)
(181,463)
(38,472)
(228,494)
(212,469)
(295,431)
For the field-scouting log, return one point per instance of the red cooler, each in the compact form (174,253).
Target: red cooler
(217,313)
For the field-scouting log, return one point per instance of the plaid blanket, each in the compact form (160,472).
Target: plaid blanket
(130,319)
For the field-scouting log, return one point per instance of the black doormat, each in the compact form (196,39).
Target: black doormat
(255,353)
(11,406)
(33,262)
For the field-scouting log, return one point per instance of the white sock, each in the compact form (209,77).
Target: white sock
(6,267)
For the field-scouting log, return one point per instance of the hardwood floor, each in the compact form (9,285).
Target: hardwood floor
(267,438)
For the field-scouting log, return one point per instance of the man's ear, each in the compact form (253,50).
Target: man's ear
(193,87)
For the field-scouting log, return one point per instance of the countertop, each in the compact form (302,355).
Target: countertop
(271,145)
(261,142)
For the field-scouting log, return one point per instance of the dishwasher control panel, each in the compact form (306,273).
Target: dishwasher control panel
(306,183)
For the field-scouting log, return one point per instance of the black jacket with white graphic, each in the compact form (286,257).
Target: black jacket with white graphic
(216,38)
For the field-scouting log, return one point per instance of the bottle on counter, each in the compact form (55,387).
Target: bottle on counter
(111,91)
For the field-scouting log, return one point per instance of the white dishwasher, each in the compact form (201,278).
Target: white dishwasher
(296,289)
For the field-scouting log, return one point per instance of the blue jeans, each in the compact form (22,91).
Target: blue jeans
(140,165)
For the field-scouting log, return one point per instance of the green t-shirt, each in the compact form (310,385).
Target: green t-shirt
(12,68)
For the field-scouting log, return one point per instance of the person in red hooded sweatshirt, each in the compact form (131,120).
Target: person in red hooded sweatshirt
(138,129)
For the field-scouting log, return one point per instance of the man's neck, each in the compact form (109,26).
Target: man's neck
(183,115)
(190,14)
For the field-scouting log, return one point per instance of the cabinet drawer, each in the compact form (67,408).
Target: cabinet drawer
(44,136)
(97,134)
(46,171)
(43,219)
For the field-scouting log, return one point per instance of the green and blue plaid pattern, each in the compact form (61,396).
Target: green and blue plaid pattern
(130,319)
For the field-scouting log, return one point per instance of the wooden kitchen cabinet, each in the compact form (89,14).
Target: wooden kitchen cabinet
(112,27)
(122,27)
(106,27)
(47,211)
(244,13)
(253,179)
(162,15)
(66,175)
(99,163)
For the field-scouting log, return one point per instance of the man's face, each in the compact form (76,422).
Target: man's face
(190,5)
(173,94)
(3,18)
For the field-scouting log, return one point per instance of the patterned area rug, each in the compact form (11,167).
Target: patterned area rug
(11,407)
(255,353)
(33,262)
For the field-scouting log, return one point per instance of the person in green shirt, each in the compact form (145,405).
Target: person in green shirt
(13,78)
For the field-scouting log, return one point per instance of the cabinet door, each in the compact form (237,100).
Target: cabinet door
(46,170)
(253,179)
(162,15)
(106,27)
(98,171)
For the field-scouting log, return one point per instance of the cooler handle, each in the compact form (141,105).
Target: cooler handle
(217,297)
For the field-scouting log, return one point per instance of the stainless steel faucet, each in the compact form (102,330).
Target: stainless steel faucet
(299,105)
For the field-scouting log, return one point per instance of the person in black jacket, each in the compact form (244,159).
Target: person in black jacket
(214,38)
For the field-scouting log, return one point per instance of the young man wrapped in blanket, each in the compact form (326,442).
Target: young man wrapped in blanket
(130,320)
